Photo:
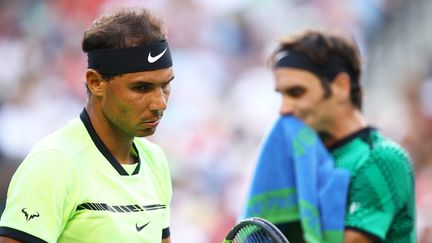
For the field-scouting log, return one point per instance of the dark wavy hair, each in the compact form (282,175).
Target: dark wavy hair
(321,48)
(127,27)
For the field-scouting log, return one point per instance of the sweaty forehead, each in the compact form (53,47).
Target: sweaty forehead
(161,75)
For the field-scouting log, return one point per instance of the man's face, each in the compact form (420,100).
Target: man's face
(133,103)
(303,96)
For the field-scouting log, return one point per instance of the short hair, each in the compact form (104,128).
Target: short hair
(321,48)
(127,27)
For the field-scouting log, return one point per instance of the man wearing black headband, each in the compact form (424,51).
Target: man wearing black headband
(318,77)
(97,179)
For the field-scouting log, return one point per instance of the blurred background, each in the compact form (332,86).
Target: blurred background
(222,99)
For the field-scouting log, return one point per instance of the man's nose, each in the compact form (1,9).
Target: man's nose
(158,100)
(286,107)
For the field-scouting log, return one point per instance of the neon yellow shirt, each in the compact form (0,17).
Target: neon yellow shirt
(71,189)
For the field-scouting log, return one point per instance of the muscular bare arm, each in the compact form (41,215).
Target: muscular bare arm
(8,240)
(352,236)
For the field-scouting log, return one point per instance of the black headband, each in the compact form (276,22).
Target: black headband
(296,59)
(147,57)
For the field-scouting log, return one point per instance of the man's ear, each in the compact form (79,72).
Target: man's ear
(341,87)
(94,82)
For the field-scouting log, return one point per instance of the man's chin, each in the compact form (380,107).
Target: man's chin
(145,132)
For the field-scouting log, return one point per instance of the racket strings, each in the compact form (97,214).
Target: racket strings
(252,234)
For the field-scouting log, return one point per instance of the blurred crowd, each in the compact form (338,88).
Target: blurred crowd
(222,99)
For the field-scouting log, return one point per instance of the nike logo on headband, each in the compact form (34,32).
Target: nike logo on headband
(151,59)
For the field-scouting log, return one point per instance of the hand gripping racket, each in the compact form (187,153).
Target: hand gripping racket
(255,230)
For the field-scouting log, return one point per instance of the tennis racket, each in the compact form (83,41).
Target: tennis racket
(255,230)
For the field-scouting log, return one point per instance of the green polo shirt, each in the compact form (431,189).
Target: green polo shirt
(381,195)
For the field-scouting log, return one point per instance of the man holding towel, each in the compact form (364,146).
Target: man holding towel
(318,76)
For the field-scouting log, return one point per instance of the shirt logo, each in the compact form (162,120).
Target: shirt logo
(155,58)
(139,228)
(354,207)
(29,216)
(119,208)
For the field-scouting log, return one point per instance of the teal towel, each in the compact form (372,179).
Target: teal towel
(295,180)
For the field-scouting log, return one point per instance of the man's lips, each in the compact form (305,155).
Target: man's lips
(152,123)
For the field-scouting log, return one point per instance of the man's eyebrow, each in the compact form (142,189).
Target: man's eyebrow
(170,79)
(149,82)
(283,89)
(289,89)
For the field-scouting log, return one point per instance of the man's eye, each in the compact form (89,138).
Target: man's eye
(296,92)
(166,87)
(142,88)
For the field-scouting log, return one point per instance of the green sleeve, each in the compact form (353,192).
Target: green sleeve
(40,196)
(378,190)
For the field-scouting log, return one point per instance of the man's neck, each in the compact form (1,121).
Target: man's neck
(118,143)
(351,122)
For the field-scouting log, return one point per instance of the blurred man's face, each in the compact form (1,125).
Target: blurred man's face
(133,103)
(303,96)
